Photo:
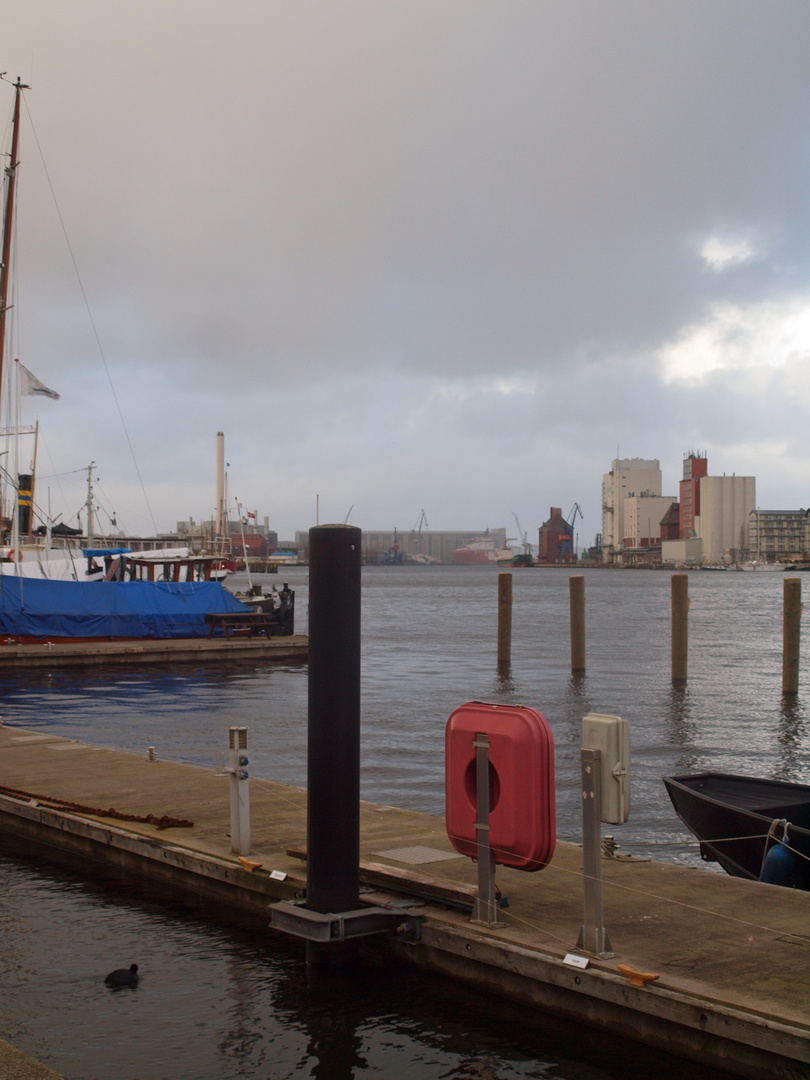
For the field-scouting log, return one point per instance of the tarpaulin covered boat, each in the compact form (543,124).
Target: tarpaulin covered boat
(34,610)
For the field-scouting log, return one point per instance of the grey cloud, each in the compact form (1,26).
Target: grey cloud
(291,220)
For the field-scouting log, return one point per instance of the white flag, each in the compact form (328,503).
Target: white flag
(30,386)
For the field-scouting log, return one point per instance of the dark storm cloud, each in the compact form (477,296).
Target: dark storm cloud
(377,239)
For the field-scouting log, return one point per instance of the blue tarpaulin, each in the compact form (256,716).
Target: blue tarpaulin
(30,607)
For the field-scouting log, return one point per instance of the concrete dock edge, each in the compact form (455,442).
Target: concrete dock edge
(15,1065)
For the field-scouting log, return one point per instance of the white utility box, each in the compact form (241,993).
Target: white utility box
(610,735)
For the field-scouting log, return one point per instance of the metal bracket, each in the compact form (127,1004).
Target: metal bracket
(593,937)
(485,908)
(315,926)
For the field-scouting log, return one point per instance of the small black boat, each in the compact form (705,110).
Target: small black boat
(754,828)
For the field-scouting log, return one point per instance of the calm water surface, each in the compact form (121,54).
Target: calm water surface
(220,1002)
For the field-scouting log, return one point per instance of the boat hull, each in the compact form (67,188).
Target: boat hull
(472,557)
(732,816)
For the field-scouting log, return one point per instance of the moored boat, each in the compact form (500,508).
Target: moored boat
(754,828)
(220,568)
(34,611)
(278,603)
(761,566)
(99,593)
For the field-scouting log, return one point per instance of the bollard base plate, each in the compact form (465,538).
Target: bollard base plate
(341,926)
(601,944)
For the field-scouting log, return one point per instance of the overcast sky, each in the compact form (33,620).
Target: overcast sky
(439,255)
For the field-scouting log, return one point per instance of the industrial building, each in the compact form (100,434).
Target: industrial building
(695,467)
(556,537)
(628,477)
(238,538)
(726,503)
(714,516)
(643,515)
(779,535)
(412,545)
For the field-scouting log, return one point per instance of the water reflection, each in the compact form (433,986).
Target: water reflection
(334,1044)
(681,729)
(505,686)
(577,702)
(243,1033)
(792,739)
(241,1001)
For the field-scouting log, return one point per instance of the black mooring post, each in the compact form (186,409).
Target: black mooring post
(333,754)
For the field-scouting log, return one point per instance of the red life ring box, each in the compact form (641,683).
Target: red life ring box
(522,803)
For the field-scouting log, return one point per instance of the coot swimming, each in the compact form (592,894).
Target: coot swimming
(123,976)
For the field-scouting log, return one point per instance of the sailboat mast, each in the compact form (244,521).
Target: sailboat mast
(33,482)
(8,217)
(219,512)
(90,525)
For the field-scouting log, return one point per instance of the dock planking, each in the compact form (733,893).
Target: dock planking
(731,956)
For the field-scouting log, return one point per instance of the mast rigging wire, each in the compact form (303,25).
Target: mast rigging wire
(90,317)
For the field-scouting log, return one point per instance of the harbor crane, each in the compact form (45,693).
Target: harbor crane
(522,536)
(566,546)
(417,530)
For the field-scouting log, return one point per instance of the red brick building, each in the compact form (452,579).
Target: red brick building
(671,523)
(556,539)
(694,468)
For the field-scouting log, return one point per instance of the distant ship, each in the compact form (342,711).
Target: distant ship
(482,552)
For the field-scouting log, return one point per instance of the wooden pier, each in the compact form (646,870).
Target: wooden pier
(731,956)
(154,651)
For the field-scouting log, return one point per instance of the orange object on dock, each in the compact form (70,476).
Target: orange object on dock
(637,978)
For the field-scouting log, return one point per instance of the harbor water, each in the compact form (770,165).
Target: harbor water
(222,1001)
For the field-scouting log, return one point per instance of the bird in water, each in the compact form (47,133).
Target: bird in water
(123,976)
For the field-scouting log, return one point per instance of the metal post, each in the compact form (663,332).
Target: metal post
(576,600)
(593,937)
(333,755)
(240,790)
(791,632)
(679,598)
(485,908)
(504,618)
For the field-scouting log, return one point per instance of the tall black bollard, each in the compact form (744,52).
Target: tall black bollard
(333,754)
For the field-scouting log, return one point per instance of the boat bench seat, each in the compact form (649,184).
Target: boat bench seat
(256,622)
